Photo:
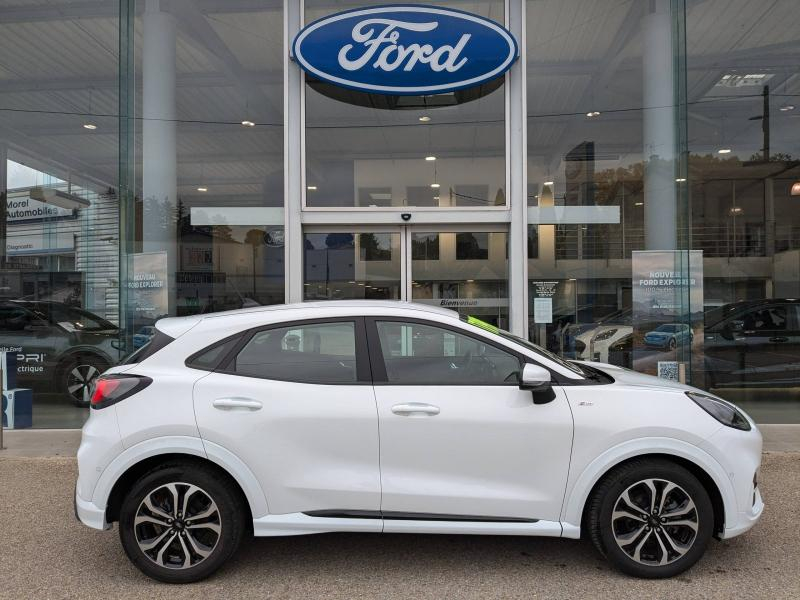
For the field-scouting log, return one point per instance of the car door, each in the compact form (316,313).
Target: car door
(769,355)
(295,403)
(458,438)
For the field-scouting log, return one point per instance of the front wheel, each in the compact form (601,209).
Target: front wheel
(181,522)
(651,518)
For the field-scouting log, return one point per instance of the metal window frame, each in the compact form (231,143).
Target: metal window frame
(511,218)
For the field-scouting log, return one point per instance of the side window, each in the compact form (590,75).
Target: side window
(14,318)
(768,318)
(416,354)
(211,357)
(314,353)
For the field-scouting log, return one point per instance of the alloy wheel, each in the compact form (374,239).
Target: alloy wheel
(655,522)
(177,525)
(79,381)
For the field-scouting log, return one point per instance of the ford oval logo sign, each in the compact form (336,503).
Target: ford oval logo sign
(405,50)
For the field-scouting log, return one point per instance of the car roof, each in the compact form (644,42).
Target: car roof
(176,326)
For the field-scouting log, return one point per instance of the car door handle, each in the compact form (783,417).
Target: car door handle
(233,403)
(779,339)
(415,408)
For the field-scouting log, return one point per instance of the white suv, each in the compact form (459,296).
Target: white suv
(395,417)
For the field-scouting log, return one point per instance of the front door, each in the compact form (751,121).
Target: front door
(461,267)
(296,405)
(458,438)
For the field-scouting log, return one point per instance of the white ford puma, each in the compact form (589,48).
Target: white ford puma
(395,417)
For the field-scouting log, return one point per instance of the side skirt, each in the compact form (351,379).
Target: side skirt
(304,524)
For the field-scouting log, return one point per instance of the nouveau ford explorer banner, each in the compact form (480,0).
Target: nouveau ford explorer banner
(405,50)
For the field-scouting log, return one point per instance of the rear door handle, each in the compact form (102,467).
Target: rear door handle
(779,339)
(415,408)
(234,403)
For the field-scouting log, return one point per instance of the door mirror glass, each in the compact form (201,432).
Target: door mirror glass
(535,378)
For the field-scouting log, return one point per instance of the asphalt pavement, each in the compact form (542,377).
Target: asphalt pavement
(45,553)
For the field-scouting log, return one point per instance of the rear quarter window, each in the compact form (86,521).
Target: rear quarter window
(158,342)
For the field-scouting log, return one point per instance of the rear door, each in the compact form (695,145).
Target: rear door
(295,403)
(459,439)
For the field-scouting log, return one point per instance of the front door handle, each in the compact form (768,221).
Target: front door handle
(415,408)
(234,403)
(779,339)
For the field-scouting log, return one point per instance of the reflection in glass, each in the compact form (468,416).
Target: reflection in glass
(365,150)
(345,265)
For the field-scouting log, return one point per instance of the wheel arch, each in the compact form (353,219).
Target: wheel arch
(701,464)
(130,465)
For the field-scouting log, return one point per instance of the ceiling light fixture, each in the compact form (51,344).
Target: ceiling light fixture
(786,107)
(430,158)
(548,183)
(435,186)
(202,189)
(724,151)
(424,118)
(593,113)
(311,188)
(90,126)
(247,123)
(638,203)
(681,179)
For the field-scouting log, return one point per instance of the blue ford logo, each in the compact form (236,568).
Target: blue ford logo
(405,50)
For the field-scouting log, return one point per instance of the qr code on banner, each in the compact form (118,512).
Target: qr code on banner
(668,369)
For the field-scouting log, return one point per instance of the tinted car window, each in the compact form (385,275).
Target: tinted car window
(314,353)
(14,318)
(416,354)
(156,343)
(71,318)
(211,357)
(767,318)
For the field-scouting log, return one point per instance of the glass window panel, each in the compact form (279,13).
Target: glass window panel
(346,265)
(416,354)
(318,353)
(436,151)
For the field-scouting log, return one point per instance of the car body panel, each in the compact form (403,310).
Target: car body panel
(316,447)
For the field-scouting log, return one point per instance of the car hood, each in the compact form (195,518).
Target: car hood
(630,378)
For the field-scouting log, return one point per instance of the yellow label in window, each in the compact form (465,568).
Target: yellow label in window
(483,325)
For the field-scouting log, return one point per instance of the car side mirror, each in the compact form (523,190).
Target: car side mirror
(534,378)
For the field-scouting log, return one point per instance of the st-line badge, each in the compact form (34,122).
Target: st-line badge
(405,50)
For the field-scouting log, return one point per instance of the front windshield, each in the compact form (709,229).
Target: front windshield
(523,342)
(669,328)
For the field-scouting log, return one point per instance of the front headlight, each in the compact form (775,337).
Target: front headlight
(608,333)
(724,412)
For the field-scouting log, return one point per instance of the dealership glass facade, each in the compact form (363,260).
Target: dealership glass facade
(623,194)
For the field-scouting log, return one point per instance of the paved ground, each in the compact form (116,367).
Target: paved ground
(45,553)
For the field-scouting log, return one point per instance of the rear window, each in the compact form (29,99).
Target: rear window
(159,341)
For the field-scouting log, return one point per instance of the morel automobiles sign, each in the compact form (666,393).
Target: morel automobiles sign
(405,50)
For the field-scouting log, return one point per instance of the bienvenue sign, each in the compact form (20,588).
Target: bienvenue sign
(405,50)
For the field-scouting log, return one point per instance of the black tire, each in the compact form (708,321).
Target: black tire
(230,518)
(76,374)
(673,343)
(630,477)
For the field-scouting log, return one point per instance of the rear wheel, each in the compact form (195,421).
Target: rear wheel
(181,522)
(651,518)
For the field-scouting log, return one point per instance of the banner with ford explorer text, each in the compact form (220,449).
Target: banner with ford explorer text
(148,286)
(667,333)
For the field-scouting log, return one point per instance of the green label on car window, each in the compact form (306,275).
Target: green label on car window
(483,325)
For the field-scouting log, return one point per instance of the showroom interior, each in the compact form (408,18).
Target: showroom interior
(169,157)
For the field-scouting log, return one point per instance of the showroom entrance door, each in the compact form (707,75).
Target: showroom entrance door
(460,267)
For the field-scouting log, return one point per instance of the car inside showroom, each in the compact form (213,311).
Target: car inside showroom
(624,188)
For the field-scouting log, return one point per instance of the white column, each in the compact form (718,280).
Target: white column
(660,197)
(159,152)
(293,156)
(518,194)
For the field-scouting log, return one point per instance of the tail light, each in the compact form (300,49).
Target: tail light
(110,389)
